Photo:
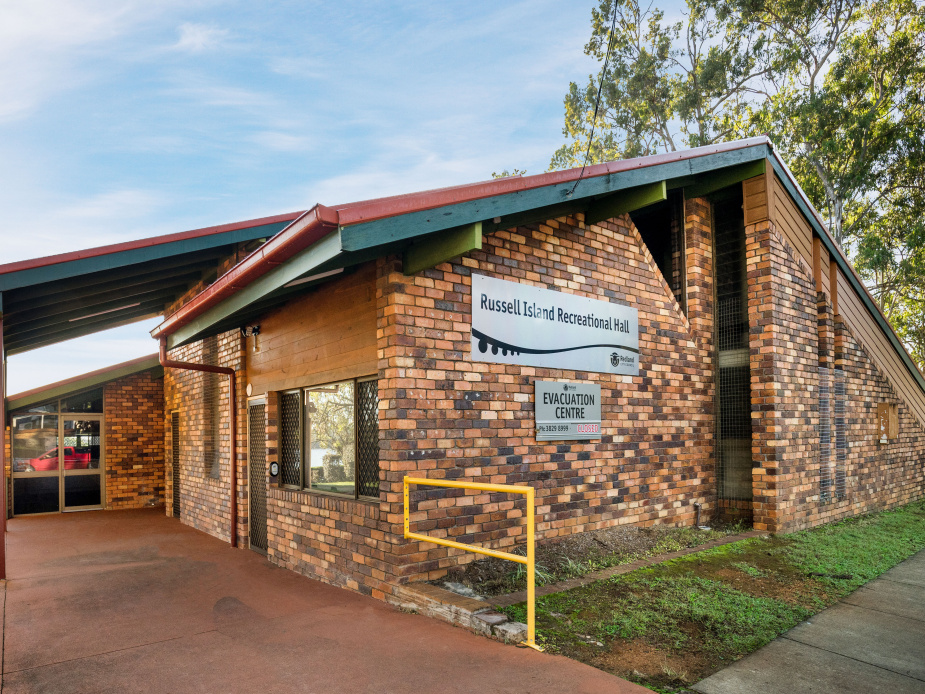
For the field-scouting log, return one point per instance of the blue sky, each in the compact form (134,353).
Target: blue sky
(122,120)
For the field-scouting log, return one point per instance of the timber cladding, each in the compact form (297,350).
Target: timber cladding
(326,335)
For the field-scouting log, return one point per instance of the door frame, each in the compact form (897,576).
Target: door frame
(61,472)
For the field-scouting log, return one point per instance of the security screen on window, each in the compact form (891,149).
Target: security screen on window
(334,428)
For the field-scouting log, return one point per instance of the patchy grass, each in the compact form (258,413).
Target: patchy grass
(581,554)
(669,626)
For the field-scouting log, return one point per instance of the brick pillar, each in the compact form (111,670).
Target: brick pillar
(784,345)
(698,232)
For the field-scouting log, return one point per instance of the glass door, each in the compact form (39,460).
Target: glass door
(56,463)
(34,464)
(81,469)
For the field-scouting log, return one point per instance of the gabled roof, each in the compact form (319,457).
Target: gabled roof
(59,297)
(63,388)
(325,239)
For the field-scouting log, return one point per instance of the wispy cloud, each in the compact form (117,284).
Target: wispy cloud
(43,44)
(196,38)
(284,142)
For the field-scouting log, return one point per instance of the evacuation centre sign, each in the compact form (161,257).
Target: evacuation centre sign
(567,411)
(514,323)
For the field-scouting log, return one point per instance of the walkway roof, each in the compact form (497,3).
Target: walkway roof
(59,297)
(83,382)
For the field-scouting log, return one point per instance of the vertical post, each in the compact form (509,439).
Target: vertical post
(3,447)
(817,262)
(531,574)
(407,513)
(833,284)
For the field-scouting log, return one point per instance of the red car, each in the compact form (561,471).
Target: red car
(74,459)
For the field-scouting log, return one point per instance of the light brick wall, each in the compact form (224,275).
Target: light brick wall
(134,429)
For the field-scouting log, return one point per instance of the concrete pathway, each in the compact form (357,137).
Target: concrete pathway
(871,641)
(133,601)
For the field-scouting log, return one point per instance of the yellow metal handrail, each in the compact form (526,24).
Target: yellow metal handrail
(528,560)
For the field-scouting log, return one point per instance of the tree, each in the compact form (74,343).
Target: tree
(839,84)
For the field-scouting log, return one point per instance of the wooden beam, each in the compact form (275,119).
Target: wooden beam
(713,181)
(438,248)
(42,340)
(817,262)
(833,284)
(626,201)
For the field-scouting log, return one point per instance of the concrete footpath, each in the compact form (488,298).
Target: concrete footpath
(132,601)
(871,641)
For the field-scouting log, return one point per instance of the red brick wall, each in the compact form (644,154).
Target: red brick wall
(134,421)
(444,416)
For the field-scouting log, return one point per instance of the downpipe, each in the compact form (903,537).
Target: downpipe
(232,410)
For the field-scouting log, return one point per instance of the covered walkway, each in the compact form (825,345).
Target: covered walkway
(134,601)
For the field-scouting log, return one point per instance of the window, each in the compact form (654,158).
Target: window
(334,429)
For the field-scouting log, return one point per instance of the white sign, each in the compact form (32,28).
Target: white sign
(518,324)
(567,411)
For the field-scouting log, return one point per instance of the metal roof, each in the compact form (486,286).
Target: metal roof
(56,298)
(325,239)
(328,238)
(83,382)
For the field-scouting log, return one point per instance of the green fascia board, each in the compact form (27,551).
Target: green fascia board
(301,264)
(540,214)
(147,254)
(855,282)
(402,227)
(373,239)
(429,251)
(201,260)
(152,364)
(626,201)
(710,183)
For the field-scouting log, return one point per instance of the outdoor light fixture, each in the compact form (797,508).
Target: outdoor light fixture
(252,331)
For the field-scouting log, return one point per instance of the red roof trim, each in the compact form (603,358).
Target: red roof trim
(318,221)
(81,377)
(33,263)
(380,208)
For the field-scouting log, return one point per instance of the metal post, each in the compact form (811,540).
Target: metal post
(531,575)
(3,448)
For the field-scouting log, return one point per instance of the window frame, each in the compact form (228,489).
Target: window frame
(304,435)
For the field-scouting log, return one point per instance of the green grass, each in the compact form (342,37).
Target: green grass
(717,605)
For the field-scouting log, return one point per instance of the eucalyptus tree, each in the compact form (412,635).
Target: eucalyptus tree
(839,85)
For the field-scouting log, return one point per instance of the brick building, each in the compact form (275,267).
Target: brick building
(737,360)
(91,442)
